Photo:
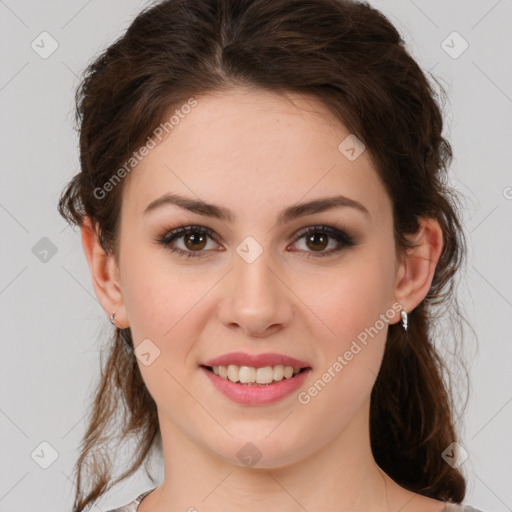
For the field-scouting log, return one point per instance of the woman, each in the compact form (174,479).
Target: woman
(265,215)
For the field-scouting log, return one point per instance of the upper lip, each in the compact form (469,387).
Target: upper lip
(256,360)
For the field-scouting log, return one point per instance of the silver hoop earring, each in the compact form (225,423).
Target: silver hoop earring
(403,314)
(112,319)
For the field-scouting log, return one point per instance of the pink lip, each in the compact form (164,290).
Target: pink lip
(255,394)
(256,360)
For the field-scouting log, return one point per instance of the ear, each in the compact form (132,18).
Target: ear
(417,266)
(104,274)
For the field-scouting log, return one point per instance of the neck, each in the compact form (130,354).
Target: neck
(341,475)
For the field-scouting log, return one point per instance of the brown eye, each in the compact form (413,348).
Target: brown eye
(195,241)
(317,241)
(191,241)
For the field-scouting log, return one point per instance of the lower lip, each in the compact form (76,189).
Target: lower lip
(257,394)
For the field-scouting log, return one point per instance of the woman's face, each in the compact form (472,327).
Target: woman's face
(254,283)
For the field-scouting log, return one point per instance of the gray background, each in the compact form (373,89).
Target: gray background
(51,320)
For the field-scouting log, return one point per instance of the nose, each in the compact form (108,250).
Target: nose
(256,298)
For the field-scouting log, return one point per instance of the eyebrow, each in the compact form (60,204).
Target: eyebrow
(291,212)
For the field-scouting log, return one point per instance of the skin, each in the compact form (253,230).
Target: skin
(242,150)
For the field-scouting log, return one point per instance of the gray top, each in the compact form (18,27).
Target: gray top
(134,505)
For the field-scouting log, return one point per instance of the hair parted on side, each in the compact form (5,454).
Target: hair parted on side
(350,57)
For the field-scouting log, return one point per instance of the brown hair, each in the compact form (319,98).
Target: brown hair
(349,56)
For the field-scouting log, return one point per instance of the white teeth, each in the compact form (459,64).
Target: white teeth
(233,372)
(251,375)
(245,374)
(278,372)
(263,375)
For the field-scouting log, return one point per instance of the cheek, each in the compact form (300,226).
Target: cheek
(351,357)
(355,308)
(163,306)
(352,298)
(157,297)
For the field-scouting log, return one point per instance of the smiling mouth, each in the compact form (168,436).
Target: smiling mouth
(254,376)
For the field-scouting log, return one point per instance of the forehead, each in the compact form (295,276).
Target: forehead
(247,147)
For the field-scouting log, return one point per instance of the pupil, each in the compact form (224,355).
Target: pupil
(323,240)
(195,238)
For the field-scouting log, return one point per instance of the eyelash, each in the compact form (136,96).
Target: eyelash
(340,236)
